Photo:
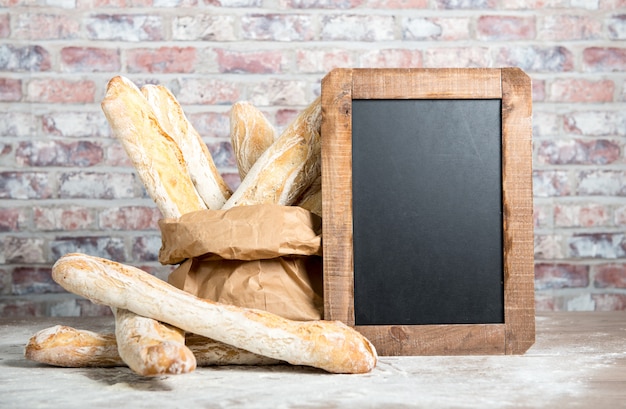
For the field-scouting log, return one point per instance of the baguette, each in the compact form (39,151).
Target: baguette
(67,347)
(154,154)
(311,199)
(77,348)
(207,180)
(288,167)
(329,345)
(150,348)
(251,134)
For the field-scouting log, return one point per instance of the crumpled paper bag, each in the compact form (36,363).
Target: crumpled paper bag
(262,256)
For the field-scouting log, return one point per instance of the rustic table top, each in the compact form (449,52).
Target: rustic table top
(578,360)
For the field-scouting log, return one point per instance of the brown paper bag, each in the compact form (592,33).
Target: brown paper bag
(262,256)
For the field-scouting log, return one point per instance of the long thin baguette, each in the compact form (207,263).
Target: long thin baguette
(154,154)
(78,348)
(251,134)
(160,165)
(287,167)
(150,348)
(329,345)
(204,174)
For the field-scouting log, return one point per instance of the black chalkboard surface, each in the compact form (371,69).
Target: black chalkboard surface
(427,211)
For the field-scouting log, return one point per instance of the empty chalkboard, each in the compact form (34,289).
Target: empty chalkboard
(427,208)
(427,212)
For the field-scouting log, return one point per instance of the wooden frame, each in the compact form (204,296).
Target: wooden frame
(513,87)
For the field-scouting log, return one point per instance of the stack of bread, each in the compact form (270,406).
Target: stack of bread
(161,329)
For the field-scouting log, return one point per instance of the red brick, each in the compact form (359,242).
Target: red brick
(544,302)
(206,91)
(539,90)
(75,124)
(89,59)
(89,309)
(24,250)
(5,282)
(10,90)
(146,248)
(6,150)
(324,4)
(546,123)
(31,58)
(620,216)
(616,26)
(396,4)
(595,123)
(12,218)
(551,183)
(610,276)
(536,58)
(503,28)
(125,27)
(61,91)
(38,26)
(278,27)
(542,216)
(321,61)
(602,183)
(466,4)
(610,302)
(5,25)
(597,245)
(66,218)
(280,92)
(21,308)
(251,62)
(162,60)
(131,218)
(211,124)
(577,151)
(97,185)
(357,28)
(580,90)
(457,57)
(436,28)
(604,59)
(25,185)
(390,58)
(581,215)
(223,156)
(34,280)
(116,156)
(564,28)
(111,248)
(57,153)
(95,4)
(556,276)
(548,247)
(204,27)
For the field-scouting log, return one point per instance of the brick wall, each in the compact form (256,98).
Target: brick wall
(66,184)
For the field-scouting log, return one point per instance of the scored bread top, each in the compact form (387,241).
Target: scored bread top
(155,155)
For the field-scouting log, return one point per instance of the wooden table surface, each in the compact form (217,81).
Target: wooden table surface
(578,360)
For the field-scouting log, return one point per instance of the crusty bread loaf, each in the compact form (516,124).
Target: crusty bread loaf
(311,199)
(154,154)
(65,346)
(149,347)
(288,167)
(78,348)
(205,176)
(329,345)
(251,134)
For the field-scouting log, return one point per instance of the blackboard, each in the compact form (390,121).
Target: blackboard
(427,208)
(436,253)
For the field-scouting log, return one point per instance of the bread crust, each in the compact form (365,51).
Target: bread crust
(288,167)
(251,134)
(329,345)
(204,174)
(155,155)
